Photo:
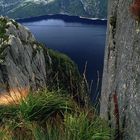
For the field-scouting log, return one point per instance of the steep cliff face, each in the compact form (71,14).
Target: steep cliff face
(27,64)
(120,98)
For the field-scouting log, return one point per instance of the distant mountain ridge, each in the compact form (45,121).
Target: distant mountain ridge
(29,8)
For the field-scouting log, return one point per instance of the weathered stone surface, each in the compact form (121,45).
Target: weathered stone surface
(26,63)
(121,76)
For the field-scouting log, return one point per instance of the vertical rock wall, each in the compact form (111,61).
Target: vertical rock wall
(120,97)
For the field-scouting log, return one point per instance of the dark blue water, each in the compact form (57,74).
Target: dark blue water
(82,41)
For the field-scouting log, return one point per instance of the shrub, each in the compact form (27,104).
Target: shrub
(79,127)
(135,9)
(40,106)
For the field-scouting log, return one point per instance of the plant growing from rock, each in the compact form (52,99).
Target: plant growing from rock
(135,10)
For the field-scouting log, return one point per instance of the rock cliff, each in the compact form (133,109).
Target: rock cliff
(120,97)
(27,64)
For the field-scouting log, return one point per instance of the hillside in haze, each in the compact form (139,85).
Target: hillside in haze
(29,8)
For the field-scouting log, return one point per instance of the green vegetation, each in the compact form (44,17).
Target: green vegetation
(113,24)
(3,37)
(46,115)
(3,26)
(113,21)
(3,22)
(63,72)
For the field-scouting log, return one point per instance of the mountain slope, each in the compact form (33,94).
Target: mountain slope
(28,8)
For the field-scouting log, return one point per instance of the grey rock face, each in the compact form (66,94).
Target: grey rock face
(25,63)
(121,78)
(21,66)
(91,7)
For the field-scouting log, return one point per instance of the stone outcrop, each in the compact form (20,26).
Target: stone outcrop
(120,97)
(27,64)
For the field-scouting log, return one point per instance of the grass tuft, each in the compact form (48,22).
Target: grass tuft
(46,115)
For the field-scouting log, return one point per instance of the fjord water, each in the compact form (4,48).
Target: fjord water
(82,42)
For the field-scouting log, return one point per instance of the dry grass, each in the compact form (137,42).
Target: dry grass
(14,96)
